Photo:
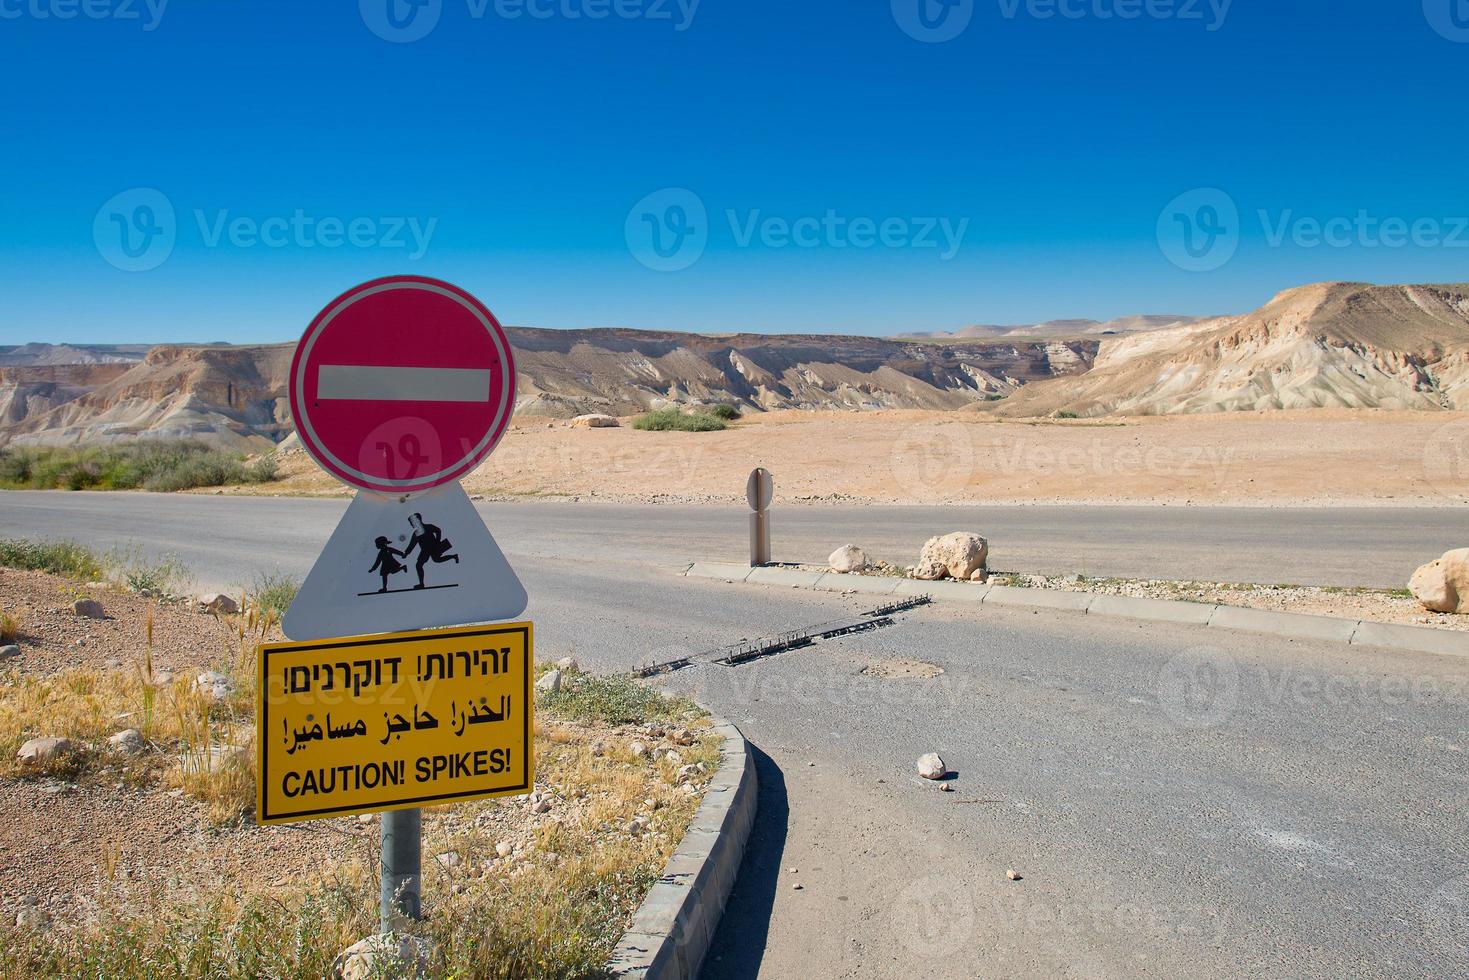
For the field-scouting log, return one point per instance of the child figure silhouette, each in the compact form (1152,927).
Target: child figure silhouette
(387,561)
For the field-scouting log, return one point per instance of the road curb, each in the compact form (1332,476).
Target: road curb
(672,930)
(1354,632)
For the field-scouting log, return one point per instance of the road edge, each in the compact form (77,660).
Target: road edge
(1295,626)
(674,927)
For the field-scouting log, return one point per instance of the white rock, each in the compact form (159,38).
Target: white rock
(595,421)
(128,742)
(638,749)
(848,558)
(31,917)
(979,575)
(549,683)
(90,608)
(9,652)
(930,766)
(39,750)
(384,955)
(568,665)
(958,556)
(1443,584)
(449,859)
(217,602)
(504,849)
(214,685)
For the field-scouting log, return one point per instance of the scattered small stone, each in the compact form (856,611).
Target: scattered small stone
(930,766)
(40,750)
(550,682)
(128,742)
(798,887)
(947,787)
(88,608)
(636,825)
(599,749)
(638,749)
(112,663)
(504,849)
(541,806)
(673,757)
(449,859)
(364,818)
(1013,875)
(568,665)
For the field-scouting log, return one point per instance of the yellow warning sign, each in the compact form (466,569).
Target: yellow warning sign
(367,723)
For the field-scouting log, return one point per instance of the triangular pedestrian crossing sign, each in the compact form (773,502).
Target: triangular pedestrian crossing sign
(405,563)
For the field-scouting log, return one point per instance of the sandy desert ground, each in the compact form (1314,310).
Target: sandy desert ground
(1309,457)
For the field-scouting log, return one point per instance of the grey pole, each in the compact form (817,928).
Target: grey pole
(401,895)
(759,491)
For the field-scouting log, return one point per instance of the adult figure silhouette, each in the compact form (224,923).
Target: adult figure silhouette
(431,545)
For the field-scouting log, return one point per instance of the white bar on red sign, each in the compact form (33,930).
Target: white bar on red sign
(368,382)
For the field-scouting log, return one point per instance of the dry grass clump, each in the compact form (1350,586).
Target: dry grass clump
(553,906)
(9,627)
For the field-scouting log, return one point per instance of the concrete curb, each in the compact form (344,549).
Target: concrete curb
(674,927)
(1418,639)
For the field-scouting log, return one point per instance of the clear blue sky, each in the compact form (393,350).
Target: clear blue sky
(1056,143)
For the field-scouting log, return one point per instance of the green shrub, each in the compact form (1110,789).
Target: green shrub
(614,700)
(57,557)
(150,464)
(726,412)
(1067,415)
(675,420)
(273,592)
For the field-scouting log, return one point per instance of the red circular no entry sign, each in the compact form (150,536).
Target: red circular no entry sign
(402,384)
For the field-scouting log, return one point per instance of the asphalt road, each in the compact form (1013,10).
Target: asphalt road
(1177,803)
(1377,547)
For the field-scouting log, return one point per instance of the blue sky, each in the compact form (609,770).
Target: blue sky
(828,165)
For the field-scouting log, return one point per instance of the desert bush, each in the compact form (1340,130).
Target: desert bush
(160,576)
(9,627)
(271,594)
(724,411)
(613,700)
(676,420)
(1067,415)
(150,464)
(57,557)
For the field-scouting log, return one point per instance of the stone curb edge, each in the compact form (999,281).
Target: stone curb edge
(1418,639)
(672,930)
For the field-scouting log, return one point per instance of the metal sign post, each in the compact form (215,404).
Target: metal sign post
(399,387)
(759,491)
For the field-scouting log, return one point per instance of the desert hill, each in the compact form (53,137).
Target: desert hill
(1328,345)
(1060,329)
(236,396)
